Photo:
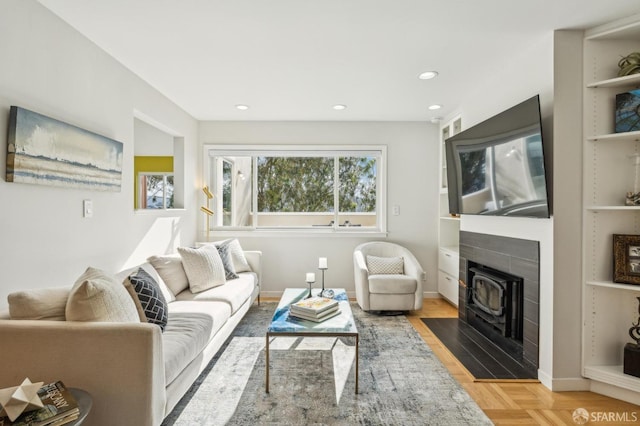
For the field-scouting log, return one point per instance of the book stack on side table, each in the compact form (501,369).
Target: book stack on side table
(59,408)
(315,309)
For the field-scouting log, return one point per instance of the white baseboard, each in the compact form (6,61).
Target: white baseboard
(564,384)
(431,295)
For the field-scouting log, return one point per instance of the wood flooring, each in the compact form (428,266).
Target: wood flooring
(520,403)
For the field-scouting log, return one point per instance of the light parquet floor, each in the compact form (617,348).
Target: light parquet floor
(521,403)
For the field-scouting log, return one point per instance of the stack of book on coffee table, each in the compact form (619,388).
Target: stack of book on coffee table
(315,309)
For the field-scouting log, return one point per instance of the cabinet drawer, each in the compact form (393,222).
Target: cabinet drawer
(448,287)
(448,262)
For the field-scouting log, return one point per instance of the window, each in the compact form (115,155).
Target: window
(315,188)
(157,190)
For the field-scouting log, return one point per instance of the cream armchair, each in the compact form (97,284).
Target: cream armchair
(388,277)
(384,282)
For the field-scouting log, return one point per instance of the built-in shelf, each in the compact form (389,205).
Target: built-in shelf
(611,284)
(612,208)
(448,226)
(627,80)
(455,218)
(609,308)
(612,374)
(616,137)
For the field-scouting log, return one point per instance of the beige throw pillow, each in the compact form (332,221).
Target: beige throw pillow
(171,270)
(96,296)
(39,304)
(203,267)
(385,265)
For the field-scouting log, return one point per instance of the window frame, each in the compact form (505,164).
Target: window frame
(164,175)
(212,151)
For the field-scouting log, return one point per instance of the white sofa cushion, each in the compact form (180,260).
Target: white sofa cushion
(234,292)
(203,266)
(392,284)
(39,304)
(170,269)
(97,296)
(190,328)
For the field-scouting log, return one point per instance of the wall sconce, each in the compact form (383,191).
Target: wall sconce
(206,209)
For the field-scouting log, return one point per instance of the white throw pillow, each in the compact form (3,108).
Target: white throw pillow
(39,304)
(237,256)
(385,265)
(203,266)
(171,270)
(97,296)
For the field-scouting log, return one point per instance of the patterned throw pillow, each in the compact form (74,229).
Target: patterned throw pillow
(150,297)
(203,267)
(224,250)
(385,265)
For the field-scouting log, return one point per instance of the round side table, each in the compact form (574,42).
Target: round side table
(84,403)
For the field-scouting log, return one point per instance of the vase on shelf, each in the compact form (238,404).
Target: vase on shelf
(633,197)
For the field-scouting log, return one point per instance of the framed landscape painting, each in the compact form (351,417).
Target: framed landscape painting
(45,151)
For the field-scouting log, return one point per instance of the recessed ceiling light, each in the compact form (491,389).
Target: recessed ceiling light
(434,107)
(339,107)
(428,75)
(242,107)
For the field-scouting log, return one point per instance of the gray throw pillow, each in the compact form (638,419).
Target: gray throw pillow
(224,249)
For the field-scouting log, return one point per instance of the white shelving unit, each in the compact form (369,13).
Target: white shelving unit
(608,308)
(448,226)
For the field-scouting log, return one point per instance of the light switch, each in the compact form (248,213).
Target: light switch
(87,208)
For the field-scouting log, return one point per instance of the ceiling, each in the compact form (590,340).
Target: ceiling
(295,59)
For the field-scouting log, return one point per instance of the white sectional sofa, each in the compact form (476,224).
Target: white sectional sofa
(135,372)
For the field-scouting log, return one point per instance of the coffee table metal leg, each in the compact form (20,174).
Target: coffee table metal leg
(267,364)
(357,356)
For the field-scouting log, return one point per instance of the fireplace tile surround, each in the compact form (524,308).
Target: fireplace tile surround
(517,257)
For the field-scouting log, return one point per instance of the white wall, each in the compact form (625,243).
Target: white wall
(151,141)
(49,68)
(528,72)
(412,184)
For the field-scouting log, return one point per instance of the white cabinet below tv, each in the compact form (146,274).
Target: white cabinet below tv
(448,260)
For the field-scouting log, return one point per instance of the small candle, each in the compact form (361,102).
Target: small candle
(322,263)
(311,277)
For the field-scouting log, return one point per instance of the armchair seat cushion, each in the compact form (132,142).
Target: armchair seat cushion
(392,284)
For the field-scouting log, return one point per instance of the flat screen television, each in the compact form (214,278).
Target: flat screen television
(497,167)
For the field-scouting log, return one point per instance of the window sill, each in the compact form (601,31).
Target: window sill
(159,212)
(295,233)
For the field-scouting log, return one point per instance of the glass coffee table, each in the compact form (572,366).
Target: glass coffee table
(341,325)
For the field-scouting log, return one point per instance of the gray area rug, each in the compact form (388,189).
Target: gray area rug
(312,381)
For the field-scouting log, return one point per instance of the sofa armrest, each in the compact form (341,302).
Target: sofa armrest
(120,364)
(361,278)
(254,258)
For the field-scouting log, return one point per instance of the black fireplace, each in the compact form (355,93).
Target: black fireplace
(495,298)
(499,292)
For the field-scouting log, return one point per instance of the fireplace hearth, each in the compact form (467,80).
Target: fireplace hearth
(499,292)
